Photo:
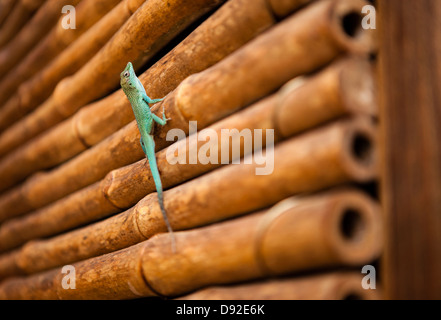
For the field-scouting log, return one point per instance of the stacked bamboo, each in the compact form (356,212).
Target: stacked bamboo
(307,79)
(328,286)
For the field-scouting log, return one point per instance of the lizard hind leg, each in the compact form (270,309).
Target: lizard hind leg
(156,100)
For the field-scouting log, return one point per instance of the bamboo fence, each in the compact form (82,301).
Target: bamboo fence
(207,256)
(76,189)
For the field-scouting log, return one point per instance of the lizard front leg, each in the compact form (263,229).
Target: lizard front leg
(160,121)
(150,101)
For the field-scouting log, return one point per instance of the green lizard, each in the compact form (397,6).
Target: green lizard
(141,102)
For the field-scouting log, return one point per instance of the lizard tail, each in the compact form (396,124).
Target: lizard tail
(164,214)
(149,149)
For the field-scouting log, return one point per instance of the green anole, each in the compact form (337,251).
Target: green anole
(141,102)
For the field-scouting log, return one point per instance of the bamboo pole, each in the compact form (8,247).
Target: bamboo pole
(295,108)
(87,13)
(254,71)
(204,47)
(323,97)
(136,41)
(20,14)
(321,20)
(282,8)
(9,264)
(297,164)
(78,207)
(298,234)
(125,186)
(229,28)
(40,24)
(334,285)
(44,286)
(337,41)
(117,233)
(34,91)
(5,8)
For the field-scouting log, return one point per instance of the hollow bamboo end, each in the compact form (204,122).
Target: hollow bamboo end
(355,229)
(346,18)
(359,152)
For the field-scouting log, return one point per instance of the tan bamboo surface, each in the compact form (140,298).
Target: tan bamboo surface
(335,285)
(103,237)
(282,8)
(5,8)
(263,76)
(21,12)
(127,185)
(333,96)
(124,187)
(299,68)
(22,42)
(349,145)
(219,35)
(87,13)
(135,41)
(337,228)
(34,91)
(334,93)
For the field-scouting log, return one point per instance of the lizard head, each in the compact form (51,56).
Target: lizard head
(128,78)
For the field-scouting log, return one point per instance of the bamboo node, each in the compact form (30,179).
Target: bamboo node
(265,222)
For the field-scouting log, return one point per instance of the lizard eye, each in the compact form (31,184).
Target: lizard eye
(126,74)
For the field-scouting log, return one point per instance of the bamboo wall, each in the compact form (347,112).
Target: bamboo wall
(77,190)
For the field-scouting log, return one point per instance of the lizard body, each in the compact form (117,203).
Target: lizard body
(145,119)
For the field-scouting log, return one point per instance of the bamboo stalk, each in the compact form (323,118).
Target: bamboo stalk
(8,264)
(343,285)
(40,24)
(297,234)
(45,285)
(204,47)
(184,97)
(80,206)
(282,8)
(102,71)
(324,97)
(87,13)
(229,28)
(34,91)
(272,60)
(5,8)
(294,172)
(20,14)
